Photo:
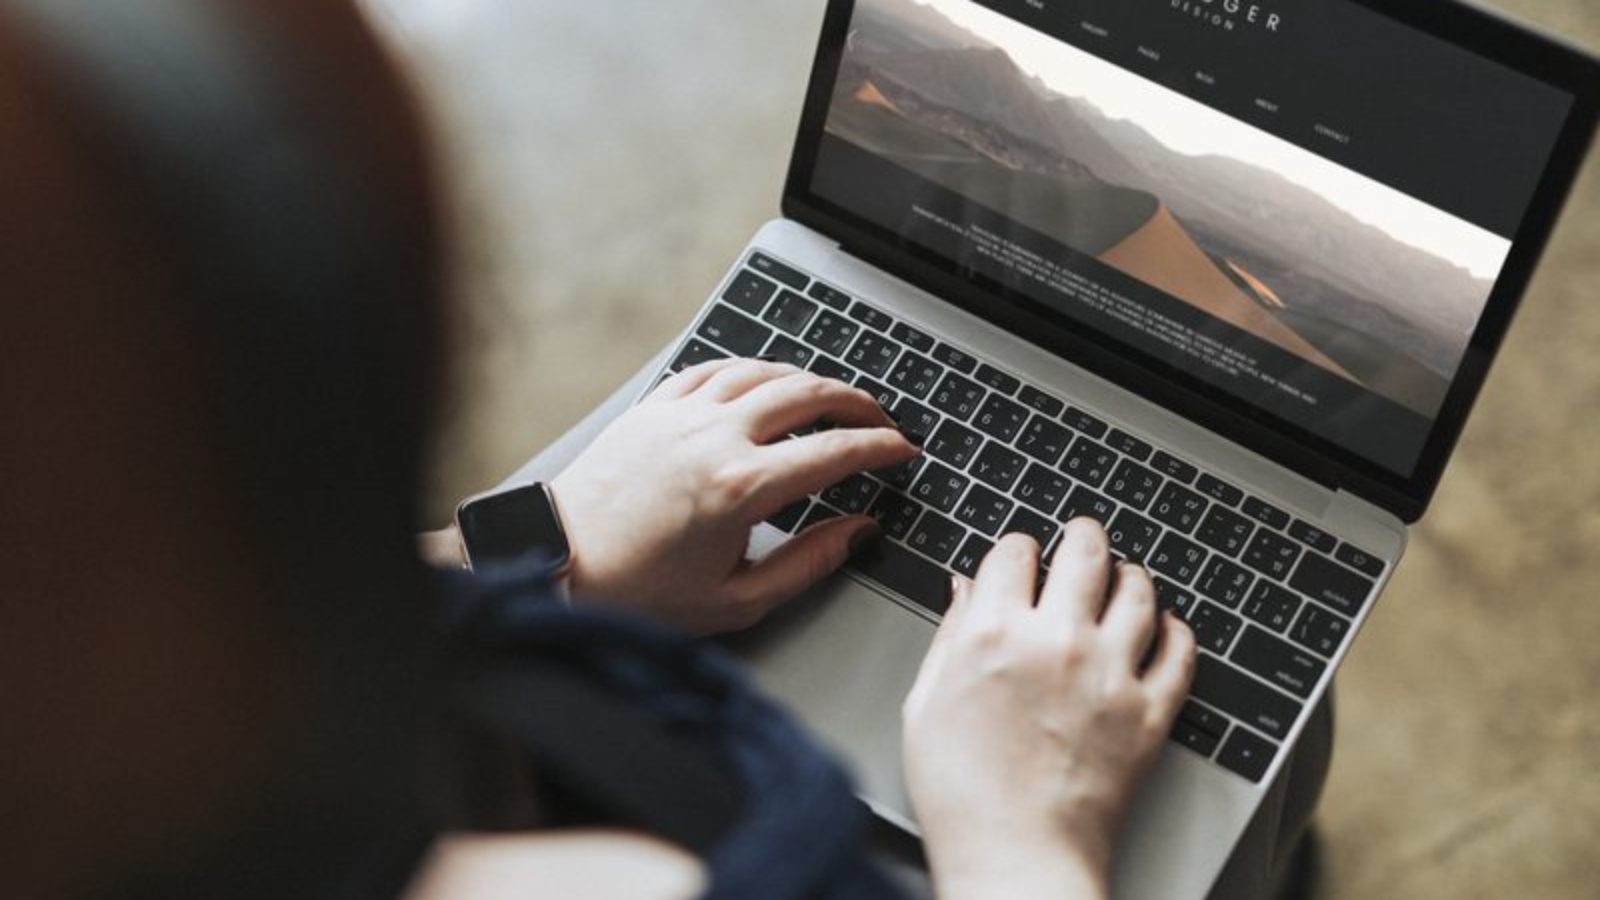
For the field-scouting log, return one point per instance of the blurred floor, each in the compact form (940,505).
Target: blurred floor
(605,162)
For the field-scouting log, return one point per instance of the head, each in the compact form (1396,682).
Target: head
(220,345)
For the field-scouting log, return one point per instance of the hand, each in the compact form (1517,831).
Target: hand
(659,508)
(1030,723)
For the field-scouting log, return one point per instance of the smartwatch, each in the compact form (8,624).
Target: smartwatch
(514,524)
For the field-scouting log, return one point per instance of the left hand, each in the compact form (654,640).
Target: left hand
(659,508)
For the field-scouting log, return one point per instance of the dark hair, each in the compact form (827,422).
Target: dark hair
(267,165)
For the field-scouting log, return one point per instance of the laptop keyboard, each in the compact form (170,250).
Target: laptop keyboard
(1270,597)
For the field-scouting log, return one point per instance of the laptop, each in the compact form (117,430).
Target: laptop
(1224,275)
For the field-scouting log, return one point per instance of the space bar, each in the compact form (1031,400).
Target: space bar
(905,573)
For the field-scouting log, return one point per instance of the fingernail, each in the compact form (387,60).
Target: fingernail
(767,358)
(865,537)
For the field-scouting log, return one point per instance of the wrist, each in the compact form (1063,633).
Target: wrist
(991,867)
(442,549)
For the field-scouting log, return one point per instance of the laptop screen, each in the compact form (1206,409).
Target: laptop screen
(1301,206)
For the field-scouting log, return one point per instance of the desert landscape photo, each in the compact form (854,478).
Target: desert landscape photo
(1239,239)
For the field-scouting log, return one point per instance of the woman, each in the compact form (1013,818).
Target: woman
(222,665)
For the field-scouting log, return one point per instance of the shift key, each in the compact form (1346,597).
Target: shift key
(1331,583)
(1244,698)
(1278,661)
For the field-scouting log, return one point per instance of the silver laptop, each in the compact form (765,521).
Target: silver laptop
(1226,276)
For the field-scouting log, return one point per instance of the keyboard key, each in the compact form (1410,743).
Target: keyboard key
(916,375)
(1282,664)
(1179,508)
(1128,445)
(1214,627)
(1039,487)
(997,466)
(984,510)
(1174,598)
(1000,418)
(1224,530)
(1219,490)
(777,271)
(1322,579)
(1132,535)
(873,354)
(694,353)
(1319,630)
(827,368)
(916,421)
(1133,484)
(790,312)
(997,380)
(1199,729)
(939,487)
(749,292)
(1237,694)
(819,513)
(971,555)
(1265,512)
(1085,423)
(896,512)
(1312,536)
(1189,736)
(957,396)
(1044,440)
(1178,558)
(852,495)
(831,333)
(903,572)
(785,350)
(1247,754)
(1039,401)
(1271,606)
(734,332)
(830,296)
(886,396)
(1028,522)
(1085,502)
(1272,554)
(954,443)
(787,518)
(902,476)
(1225,582)
(1360,560)
(1173,467)
(912,338)
(936,537)
(955,359)
(1089,462)
(870,317)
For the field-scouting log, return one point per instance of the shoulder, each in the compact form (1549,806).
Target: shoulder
(608,865)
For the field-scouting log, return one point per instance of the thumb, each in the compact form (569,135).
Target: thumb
(808,558)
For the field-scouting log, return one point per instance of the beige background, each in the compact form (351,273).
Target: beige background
(605,161)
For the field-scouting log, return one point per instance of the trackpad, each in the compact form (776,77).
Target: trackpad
(844,657)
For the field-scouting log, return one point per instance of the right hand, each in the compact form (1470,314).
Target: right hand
(1031,722)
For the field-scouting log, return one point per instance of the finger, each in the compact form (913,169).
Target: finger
(815,462)
(785,405)
(735,381)
(1008,575)
(1171,669)
(811,556)
(1079,572)
(688,381)
(1129,620)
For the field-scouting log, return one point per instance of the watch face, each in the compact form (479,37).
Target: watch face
(511,525)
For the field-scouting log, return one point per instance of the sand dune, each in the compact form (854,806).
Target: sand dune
(1161,254)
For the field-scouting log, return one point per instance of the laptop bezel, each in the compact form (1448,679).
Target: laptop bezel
(1487,34)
